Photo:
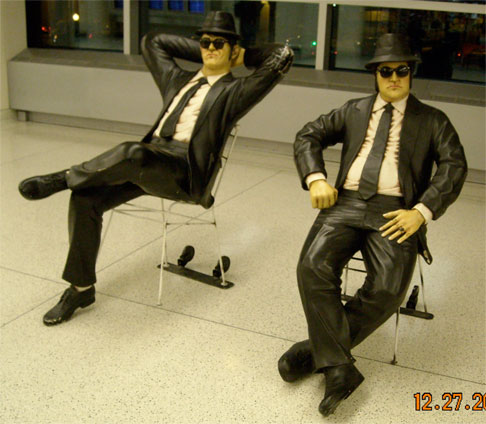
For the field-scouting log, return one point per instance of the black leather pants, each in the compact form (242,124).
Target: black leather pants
(116,176)
(336,235)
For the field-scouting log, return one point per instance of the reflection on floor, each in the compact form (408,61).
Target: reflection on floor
(209,355)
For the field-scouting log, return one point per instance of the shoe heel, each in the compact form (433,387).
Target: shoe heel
(352,389)
(86,302)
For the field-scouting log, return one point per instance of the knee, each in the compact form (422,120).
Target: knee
(134,151)
(317,275)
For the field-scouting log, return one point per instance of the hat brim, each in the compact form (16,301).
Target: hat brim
(391,58)
(218,31)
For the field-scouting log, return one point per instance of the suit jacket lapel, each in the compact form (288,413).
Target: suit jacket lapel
(408,139)
(178,82)
(360,120)
(210,99)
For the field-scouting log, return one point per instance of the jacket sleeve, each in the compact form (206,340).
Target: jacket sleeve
(447,182)
(271,63)
(313,138)
(159,51)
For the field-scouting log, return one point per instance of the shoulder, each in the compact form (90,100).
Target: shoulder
(416,106)
(361,103)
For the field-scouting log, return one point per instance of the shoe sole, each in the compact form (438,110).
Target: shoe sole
(344,397)
(66,317)
(291,378)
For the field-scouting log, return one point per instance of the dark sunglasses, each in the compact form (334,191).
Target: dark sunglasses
(218,43)
(402,71)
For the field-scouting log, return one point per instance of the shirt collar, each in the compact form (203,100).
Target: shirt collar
(212,79)
(399,105)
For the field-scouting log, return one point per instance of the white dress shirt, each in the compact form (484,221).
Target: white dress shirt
(388,182)
(188,118)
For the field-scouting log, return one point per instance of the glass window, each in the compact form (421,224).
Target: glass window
(176,5)
(450,44)
(76,24)
(257,22)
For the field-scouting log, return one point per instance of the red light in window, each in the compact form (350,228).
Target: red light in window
(43,29)
(335,52)
(90,36)
(458,54)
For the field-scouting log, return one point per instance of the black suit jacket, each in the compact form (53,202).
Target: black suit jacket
(427,137)
(226,102)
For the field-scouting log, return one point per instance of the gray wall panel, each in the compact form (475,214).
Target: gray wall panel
(131,97)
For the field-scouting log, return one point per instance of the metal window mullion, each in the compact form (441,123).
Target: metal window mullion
(130,26)
(321,36)
(415,5)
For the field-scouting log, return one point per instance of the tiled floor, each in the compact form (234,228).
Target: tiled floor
(209,355)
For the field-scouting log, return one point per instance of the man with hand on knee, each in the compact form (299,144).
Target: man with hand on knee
(382,200)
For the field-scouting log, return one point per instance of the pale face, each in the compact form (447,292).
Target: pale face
(215,61)
(393,88)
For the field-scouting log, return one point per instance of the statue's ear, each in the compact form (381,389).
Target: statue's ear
(235,52)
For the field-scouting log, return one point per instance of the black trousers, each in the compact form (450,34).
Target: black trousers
(349,226)
(118,175)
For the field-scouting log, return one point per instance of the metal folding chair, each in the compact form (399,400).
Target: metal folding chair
(409,309)
(169,217)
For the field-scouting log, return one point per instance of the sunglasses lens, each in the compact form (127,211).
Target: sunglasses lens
(218,43)
(403,71)
(204,43)
(386,72)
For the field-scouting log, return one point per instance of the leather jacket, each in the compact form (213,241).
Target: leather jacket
(427,137)
(227,101)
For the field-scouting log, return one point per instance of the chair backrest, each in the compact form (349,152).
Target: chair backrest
(207,199)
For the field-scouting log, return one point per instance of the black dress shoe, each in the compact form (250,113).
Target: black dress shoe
(296,362)
(341,381)
(71,300)
(42,186)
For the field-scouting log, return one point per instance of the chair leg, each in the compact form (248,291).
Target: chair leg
(105,231)
(223,278)
(163,256)
(345,286)
(422,282)
(107,226)
(395,352)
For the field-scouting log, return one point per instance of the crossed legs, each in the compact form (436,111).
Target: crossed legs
(334,329)
(116,176)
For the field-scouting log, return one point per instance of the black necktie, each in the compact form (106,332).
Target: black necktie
(368,184)
(168,129)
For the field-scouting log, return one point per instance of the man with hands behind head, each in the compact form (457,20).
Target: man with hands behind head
(177,157)
(382,200)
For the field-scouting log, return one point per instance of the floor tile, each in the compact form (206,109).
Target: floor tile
(208,355)
(20,293)
(123,362)
(387,397)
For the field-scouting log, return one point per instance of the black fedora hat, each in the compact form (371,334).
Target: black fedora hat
(392,48)
(219,22)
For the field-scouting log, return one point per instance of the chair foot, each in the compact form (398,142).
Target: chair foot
(412,300)
(217,269)
(186,256)
(197,276)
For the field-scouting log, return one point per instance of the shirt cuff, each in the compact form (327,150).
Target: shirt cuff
(425,211)
(314,177)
